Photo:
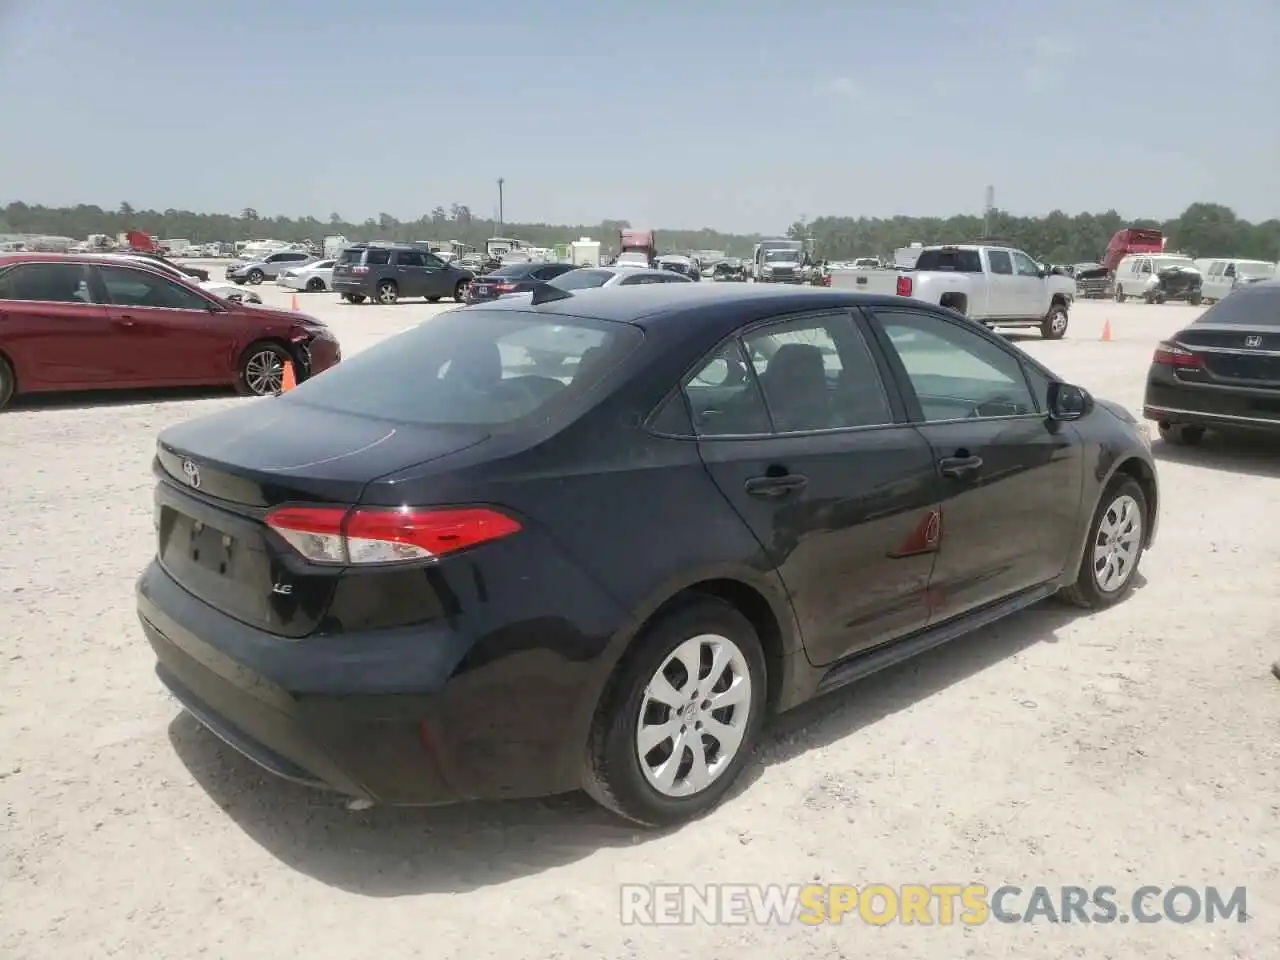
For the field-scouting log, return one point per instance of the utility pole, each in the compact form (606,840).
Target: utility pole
(501,219)
(987,207)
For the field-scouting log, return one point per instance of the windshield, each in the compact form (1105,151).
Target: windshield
(484,368)
(1264,271)
(632,256)
(351,255)
(581,279)
(787,256)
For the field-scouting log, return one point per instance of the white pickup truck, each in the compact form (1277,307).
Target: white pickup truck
(998,286)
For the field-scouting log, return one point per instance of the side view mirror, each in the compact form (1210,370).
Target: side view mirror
(1068,402)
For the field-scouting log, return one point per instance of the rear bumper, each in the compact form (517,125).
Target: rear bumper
(1169,400)
(345,285)
(414,716)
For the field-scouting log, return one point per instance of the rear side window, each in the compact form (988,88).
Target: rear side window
(955,261)
(1000,262)
(582,279)
(495,368)
(377,258)
(46,283)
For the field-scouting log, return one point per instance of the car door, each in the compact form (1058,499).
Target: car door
(1002,293)
(439,280)
(411,273)
(1031,299)
(54,331)
(287,260)
(1011,479)
(798,432)
(172,333)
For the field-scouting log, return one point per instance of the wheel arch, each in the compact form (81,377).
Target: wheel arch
(1145,475)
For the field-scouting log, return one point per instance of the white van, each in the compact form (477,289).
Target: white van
(1223,276)
(1137,275)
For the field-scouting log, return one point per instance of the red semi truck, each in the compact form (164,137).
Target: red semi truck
(1131,240)
(637,246)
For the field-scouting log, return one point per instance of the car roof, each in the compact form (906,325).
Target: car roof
(137,259)
(651,306)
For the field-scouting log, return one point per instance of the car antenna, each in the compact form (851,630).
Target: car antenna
(546,293)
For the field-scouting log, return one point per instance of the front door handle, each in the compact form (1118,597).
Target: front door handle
(774,487)
(125,320)
(961,466)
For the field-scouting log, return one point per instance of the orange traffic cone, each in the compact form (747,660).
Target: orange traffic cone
(1106,330)
(289,381)
(295,301)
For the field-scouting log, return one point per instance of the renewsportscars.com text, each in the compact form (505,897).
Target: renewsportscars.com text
(933,904)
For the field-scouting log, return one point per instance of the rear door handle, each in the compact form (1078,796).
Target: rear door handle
(125,320)
(960,466)
(776,486)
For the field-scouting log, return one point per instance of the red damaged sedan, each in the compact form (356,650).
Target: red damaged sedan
(97,323)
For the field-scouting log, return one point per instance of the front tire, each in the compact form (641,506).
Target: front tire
(1117,539)
(1054,324)
(1181,434)
(1119,294)
(261,370)
(680,716)
(460,292)
(255,277)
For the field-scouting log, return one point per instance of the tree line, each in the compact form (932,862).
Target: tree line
(1203,229)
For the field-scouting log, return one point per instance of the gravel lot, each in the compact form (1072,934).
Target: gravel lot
(1136,746)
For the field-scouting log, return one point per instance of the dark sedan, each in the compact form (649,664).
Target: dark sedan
(1221,371)
(514,278)
(435,574)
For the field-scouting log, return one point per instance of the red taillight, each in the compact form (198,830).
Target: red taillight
(504,287)
(904,286)
(373,535)
(826,280)
(1171,355)
(359,269)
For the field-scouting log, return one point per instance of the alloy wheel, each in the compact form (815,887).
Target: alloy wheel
(1115,551)
(387,293)
(693,715)
(264,373)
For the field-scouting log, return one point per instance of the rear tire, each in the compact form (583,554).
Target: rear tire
(1113,551)
(617,775)
(315,285)
(433,299)
(1181,434)
(8,383)
(1196,300)
(1054,324)
(388,293)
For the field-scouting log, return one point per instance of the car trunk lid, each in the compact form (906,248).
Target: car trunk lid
(220,475)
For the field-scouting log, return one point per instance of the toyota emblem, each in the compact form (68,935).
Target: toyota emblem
(1253,341)
(192,473)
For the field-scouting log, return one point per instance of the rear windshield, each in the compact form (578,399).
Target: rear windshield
(515,270)
(494,368)
(955,261)
(581,279)
(1257,303)
(351,255)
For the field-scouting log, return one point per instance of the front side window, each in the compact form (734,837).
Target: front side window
(46,283)
(137,288)
(956,373)
(1023,265)
(410,258)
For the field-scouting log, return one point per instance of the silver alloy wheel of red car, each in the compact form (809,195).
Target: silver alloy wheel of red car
(693,715)
(264,372)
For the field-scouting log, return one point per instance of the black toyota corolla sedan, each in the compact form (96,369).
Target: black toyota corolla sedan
(1221,371)
(441,571)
